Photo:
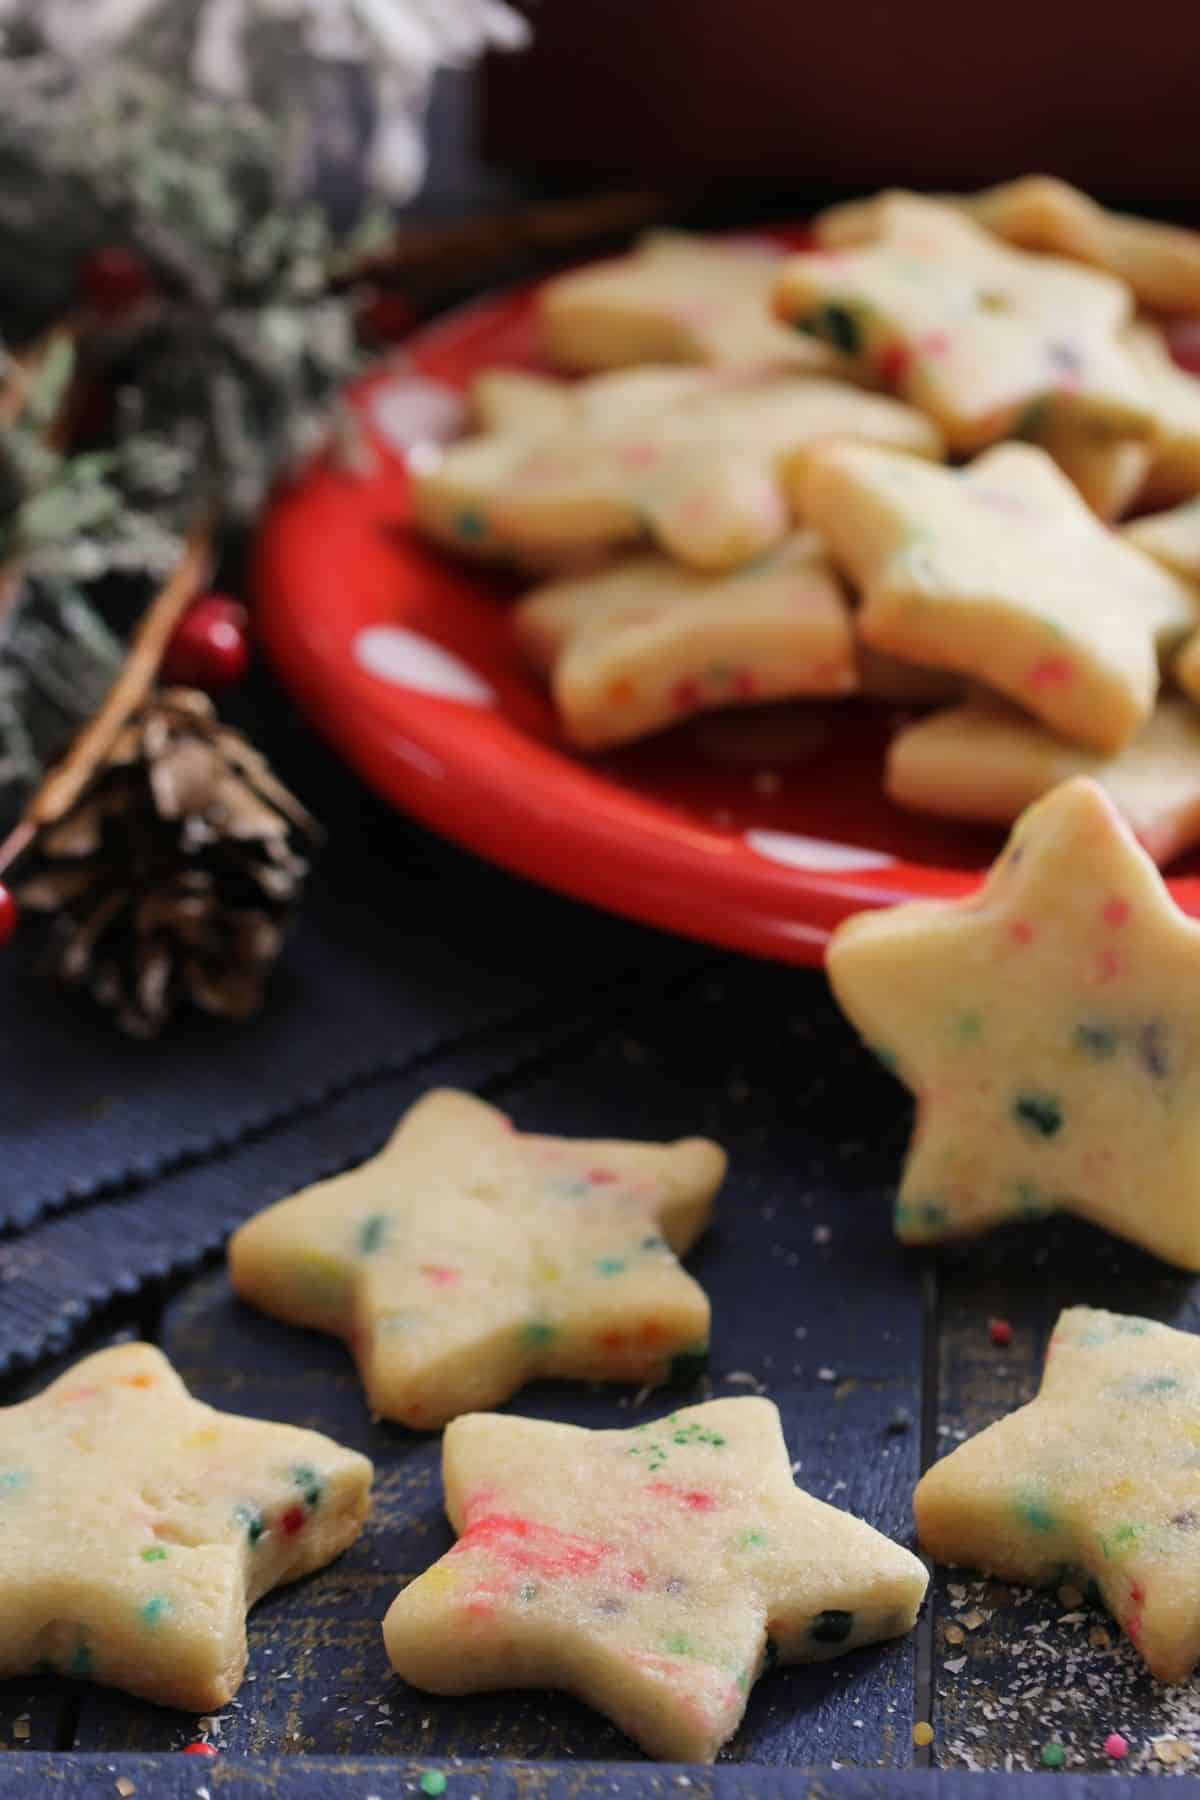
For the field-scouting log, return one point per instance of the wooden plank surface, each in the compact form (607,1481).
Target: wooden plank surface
(812,1305)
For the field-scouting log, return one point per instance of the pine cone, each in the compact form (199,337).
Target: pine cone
(173,874)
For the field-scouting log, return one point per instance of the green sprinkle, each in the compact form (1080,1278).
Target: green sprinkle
(536,1334)
(1031,421)
(752,1540)
(967,1027)
(155,1611)
(610,1265)
(527,1593)
(13,1481)
(473,526)
(432,1782)
(371,1234)
(82,1662)
(158,1554)
(679,1644)
(1122,1539)
(654,1243)
(309,1482)
(1041,1113)
(252,1520)
(1030,1204)
(1157,1384)
(884,1056)
(920,1216)
(837,325)
(687,1366)
(1098,1040)
(1034,1512)
(1053,1756)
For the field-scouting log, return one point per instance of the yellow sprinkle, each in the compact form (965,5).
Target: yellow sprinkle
(922,1734)
(546,1270)
(438,1580)
(202,1439)
(954,1634)
(1070,1597)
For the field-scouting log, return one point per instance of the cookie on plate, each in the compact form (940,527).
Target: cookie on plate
(1092,1482)
(139,1526)
(1001,573)
(987,760)
(645,642)
(468,1258)
(655,1573)
(1049,1027)
(703,469)
(676,297)
(988,341)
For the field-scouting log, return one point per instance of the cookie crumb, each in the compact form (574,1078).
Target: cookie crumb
(124,1786)
(1171,1750)
(1071,1597)
(21,1728)
(954,1634)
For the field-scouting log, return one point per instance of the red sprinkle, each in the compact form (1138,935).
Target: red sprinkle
(1116,1746)
(440,1274)
(694,1499)
(1108,965)
(199,1748)
(293,1521)
(1116,912)
(685,696)
(894,361)
(1000,1331)
(602,1177)
(525,1544)
(1052,671)
(1021,931)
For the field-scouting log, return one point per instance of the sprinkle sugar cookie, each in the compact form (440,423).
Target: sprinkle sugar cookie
(645,643)
(138,1526)
(999,571)
(655,1573)
(1094,1482)
(468,1258)
(1049,1027)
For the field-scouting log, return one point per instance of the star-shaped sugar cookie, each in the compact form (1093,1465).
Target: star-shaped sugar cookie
(1160,263)
(1173,539)
(985,339)
(468,1258)
(1174,473)
(987,760)
(655,1573)
(999,571)
(1049,1027)
(675,298)
(1094,1481)
(138,1526)
(699,462)
(646,642)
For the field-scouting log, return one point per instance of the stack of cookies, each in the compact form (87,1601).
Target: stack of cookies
(894,465)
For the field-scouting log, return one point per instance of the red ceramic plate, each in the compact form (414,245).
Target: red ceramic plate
(758,830)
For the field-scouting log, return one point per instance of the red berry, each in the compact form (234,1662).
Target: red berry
(210,648)
(199,1748)
(1000,1332)
(387,316)
(9,915)
(114,280)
